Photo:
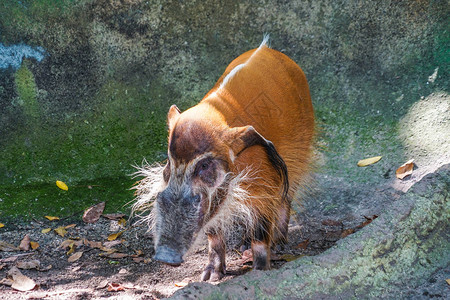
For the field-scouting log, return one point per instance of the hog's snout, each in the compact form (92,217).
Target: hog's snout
(168,255)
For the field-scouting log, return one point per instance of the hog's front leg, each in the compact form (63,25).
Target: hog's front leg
(215,269)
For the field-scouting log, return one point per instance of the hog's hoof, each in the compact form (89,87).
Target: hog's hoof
(168,256)
(212,275)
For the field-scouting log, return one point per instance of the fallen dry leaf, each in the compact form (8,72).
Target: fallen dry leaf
(61,231)
(50,218)
(93,213)
(303,244)
(116,217)
(10,259)
(27,265)
(20,281)
(114,255)
(6,281)
(115,287)
(114,236)
(2,266)
(4,246)
(181,284)
(138,259)
(46,230)
(102,284)
(74,257)
(70,226)
(2,225)
(112,243)
(405,170)
(93,244)
(448,281)
(368,161)
(34,245)
(62,185)
(25,243)
(122,222)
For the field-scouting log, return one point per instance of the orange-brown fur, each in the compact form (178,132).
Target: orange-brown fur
(262,98)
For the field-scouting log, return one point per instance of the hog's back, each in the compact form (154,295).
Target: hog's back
(269,91)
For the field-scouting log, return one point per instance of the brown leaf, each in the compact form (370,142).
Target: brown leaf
(52,218)
(2,266)
(6,281)
(61,231)
(70,226)
(115,287)
(34,245)
(112,243)
(138,259)
(94,244)
(25,243)
(93,213)
(27,265)
(74,257)
(20,281)
(114,216)
(114,255)
(102,284)
(303,244)
(7,247)
(405,170)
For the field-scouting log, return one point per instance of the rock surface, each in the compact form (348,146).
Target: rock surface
(401,251)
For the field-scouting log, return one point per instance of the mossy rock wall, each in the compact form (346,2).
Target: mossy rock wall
(96,104)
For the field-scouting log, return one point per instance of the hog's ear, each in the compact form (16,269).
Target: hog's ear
(245,137)
(172,116)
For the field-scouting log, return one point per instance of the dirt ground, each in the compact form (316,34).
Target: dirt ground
(141,277)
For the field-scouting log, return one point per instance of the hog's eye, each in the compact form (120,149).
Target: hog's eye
(205,170)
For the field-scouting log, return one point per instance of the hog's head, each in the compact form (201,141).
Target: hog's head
(201,162)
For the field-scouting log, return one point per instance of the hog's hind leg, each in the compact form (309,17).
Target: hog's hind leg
(261,245)
(215,269)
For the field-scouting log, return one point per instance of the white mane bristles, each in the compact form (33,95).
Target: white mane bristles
(235,209)
(146,191)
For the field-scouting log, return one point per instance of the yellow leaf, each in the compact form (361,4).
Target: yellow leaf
(52,218)
(114,236)
(46,230)
(2,225)
(70,226)
(405,169)
(34,245)
(122,222)
(62,185)
(368,161)
(448,281)
(61,231)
